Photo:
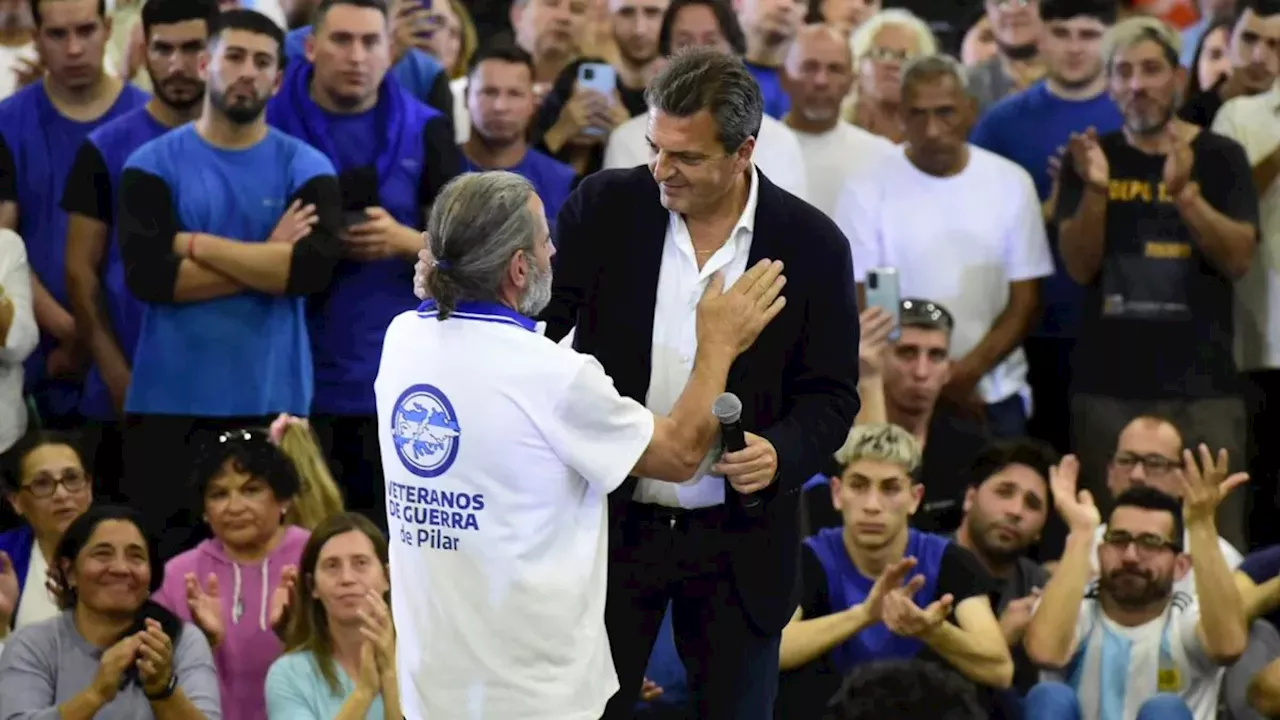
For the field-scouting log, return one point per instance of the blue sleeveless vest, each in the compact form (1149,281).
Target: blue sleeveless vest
(846,587)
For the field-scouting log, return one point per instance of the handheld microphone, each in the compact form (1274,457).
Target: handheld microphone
(728,410)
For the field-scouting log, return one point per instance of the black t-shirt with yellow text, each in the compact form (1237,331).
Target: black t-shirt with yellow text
(1158,315)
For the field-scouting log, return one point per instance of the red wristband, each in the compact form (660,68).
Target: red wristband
(191,245)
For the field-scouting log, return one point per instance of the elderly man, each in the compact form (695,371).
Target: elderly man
(500,448)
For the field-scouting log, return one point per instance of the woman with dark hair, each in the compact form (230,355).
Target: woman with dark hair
(340,662)
(235,586)
(1212,64)
(112,653)
(47,484)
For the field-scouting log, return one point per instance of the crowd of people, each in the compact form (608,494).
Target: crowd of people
(1036,484)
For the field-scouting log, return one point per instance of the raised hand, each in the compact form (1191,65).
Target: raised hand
(295,224)
(1205,485)
(874,328)
(421,269)
(9,591)
(155,658)
(1089,160)
(1016,617)
(206,607)
(111,667)
(890,579)
(280,598)
(1178,162)
(903,617)
(1075,506)
(733,318)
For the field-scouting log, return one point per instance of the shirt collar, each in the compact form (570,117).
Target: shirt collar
(747,220)
(481,311)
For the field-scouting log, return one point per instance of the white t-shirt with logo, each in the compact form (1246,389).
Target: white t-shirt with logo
(1185,670)
(499,449)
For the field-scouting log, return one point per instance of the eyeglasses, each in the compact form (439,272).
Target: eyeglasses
(45,485)
(1147,543)
(884,54)
(914,311)
(1152,464)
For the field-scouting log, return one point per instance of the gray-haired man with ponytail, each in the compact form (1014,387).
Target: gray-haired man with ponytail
(500,448)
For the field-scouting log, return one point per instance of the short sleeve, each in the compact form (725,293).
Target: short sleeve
(961,575)
(88,188)
(596,431)
(1027,254)
(855,218)
(626,146)
(197,676)
(1227,179)
(815,600)
(287,690)
(1224,123)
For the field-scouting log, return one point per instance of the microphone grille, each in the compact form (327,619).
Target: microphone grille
(727,408)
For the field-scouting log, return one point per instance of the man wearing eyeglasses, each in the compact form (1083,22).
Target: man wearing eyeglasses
(1134,646)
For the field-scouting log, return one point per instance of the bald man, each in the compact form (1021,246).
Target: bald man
(817,74)
(1149,452)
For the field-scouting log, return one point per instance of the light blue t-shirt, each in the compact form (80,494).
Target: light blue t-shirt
(297,691)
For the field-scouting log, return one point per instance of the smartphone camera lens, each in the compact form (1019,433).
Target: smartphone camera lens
(873,280)
(589,73)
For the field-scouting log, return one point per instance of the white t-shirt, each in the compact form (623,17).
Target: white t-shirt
(831,157)
(36,604)
(499,449)
(1140,649)
(957,240)
(1255,123)
(9,57)
(1188,582)
(777,152)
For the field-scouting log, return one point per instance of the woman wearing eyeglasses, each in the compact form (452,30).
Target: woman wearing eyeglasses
(235,586)
(341,657)
(881,46)
(47,484)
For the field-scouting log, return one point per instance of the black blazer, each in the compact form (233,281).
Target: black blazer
(798,382)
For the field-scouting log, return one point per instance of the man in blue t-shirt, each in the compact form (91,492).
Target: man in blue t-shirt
(41,127)
(1031,128)
(877,589)
(393,155)
(501,105)
(222,272)
(107,316)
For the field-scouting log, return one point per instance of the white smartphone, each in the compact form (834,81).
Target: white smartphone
(882,291)
(600,77)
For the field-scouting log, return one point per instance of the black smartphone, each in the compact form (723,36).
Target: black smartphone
(359,191)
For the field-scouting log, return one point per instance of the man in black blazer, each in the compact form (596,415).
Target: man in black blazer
(633,246)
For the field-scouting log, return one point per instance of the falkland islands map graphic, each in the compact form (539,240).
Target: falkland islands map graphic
(425,430)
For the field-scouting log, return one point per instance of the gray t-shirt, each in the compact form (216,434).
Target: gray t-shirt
(989,84)
(50,662)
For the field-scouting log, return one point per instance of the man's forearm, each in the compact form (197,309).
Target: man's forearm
(92,325)
(1005,335)
(982,660)
(50,315)
(1229,244)
(1051,633)
(1082,238)
(197,283)
(804,641)
(1224,628)
(261,266)
(692,411)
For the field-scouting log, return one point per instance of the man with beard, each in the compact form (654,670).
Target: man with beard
(876,589)
(1156,222)
(1004,513)
(107,316)
(501,448)
(817,76)
(573,123)
(1017,28)
(1254,49)
(1031,128)
(770,27)
(500,103)
(1130,643)
(41,129)
(393,155)
(222,273)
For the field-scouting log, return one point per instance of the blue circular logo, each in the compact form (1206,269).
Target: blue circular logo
(425,431)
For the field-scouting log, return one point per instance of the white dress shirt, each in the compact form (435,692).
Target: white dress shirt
(15,279)
(777,152)
(1254,122)
(675,340)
